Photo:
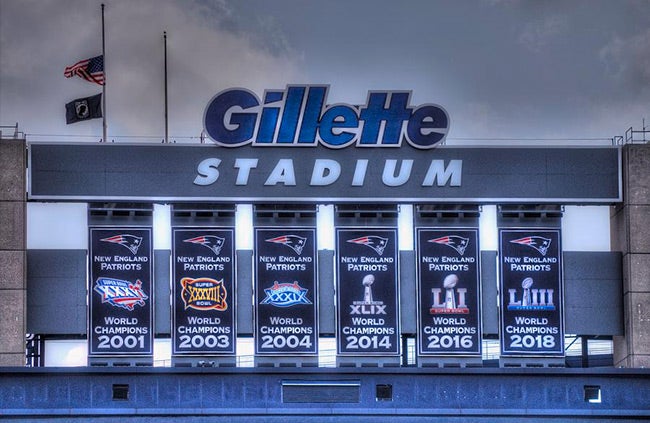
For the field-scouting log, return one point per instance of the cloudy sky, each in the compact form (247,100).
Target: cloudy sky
(501,68)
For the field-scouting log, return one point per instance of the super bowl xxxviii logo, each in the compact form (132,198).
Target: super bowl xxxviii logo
(120,293)
(285,295)
(204,294)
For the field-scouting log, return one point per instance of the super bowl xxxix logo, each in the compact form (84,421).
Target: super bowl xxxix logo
(286,294)
(204,294)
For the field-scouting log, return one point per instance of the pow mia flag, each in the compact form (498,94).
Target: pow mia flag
(83,109)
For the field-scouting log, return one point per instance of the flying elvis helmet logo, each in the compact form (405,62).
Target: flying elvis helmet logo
(538,243)
(375,242)
(130,242)
(456,242)
(300,116)
(295,242)
(211,242)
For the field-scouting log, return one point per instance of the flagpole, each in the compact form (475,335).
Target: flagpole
(166,104)
(104,126)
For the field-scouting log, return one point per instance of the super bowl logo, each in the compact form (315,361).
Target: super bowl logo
(204,294)
(454,298)
(285,295)
(531,299)
(119,293)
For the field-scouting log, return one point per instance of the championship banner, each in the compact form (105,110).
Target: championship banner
(286,291)
(449,312)
(367,287)
(203,293)
(531,292)
(121,292)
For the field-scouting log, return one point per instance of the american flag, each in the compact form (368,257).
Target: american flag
(92,70)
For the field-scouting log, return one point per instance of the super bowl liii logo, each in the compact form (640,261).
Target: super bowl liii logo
(530,298)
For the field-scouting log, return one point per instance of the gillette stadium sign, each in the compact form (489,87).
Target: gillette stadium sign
(295,145)
(300,117)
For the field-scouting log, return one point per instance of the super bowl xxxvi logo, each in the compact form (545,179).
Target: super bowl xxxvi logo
(119,293)
(204,294)
(285,295)
(128,241)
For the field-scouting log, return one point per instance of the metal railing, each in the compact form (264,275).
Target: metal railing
(11,132)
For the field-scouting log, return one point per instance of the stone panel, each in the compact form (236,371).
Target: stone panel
(638,174)
(12,177)
(618,233)
(639,303)
(12,360)
(636,273)
(12,269)
(12,229)
(12,321)
(639,217)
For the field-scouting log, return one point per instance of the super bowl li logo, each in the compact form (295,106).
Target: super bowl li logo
(532,298)
(454,298)
(205,293)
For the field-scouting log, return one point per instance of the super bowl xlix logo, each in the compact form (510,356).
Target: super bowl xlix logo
(204,294)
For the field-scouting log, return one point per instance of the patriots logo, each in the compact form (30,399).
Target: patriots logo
(377,243)
(212,242)
(131,242)
(295,242)
(456,242)
(539,243)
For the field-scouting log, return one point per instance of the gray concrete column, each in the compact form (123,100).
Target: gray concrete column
(12,252)
(630,234)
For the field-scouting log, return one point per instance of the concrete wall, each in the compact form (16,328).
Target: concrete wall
(630,228)
(323,395)
(12,252)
